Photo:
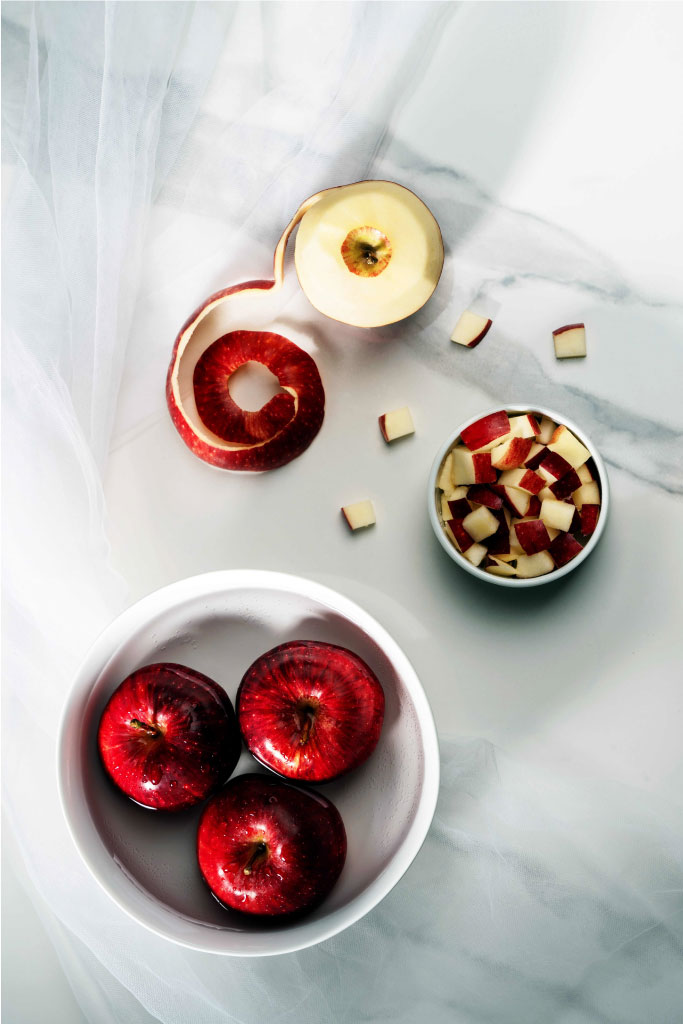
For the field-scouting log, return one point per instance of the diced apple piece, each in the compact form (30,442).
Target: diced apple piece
(480,524)
(524,479)
(458,534)
(486,432)
(455,493)
(536,455)
(546,430)
(589,518)
(359,515)
(557,514)
(517,500)
(470,329)
(570,341)
(563,548)
(532,536)
(534,565)
(514,545)
(553,467)
(483,495)
(525,425)
(445,509)
(546,493)
(566,485)
(459,508)
(569,447)
(472,468)
(586,494)
(534,509)
(445,481)
(498,568)
(584,474)
(475,554)
(511,454)
(398,423)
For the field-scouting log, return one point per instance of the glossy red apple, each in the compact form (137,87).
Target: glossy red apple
(310,711)
(266,847)
(168,737)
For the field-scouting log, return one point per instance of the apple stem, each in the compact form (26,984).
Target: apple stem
(143,727)
(259,853)
(307,726)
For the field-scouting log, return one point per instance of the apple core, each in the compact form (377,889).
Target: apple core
(366,251)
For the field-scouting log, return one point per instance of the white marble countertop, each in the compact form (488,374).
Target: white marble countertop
(546,139)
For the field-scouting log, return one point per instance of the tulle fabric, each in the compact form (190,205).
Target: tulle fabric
(114,113)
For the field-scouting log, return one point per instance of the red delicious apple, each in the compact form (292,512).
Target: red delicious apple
(168,737)
(267,847)
(310,711)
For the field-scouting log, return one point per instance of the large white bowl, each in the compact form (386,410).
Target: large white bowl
(219,623)
(474,570)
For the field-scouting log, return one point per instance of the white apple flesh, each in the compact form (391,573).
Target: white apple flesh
(570,341)
(395,424)
(359,515)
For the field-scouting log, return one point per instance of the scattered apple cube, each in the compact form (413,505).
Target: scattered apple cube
(475,554)
(546,430)
(472,468)
(486,432)
(398,423)
(563,548)
(569,447)
(586,494)
(481,523)
(534,565)
(470,329)
(498,568)
(523,479)
(589,519)
(570,341)
(532,536)
(557,514)
(359,515)
(511,454)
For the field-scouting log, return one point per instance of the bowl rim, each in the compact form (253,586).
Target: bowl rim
(501,581)
(84,832)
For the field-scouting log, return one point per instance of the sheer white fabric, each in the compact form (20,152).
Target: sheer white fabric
(512,911)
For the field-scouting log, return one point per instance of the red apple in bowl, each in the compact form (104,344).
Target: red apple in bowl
(266,847)
(310,711)
(168,737)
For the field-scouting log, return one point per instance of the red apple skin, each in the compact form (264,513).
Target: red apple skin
(567,327)
(485,430)
(460,533)
(555,465)
(484,472)
(480,337)
(268,848)
(564,548)
(460,508)
(483,495)
(589,518)
(566,485)
(168,737)
(310,711)
(532,536)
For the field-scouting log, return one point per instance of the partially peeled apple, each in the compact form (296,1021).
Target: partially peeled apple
(367,254)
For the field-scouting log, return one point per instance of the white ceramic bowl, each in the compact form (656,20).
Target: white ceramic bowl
(219,623)
(502,581)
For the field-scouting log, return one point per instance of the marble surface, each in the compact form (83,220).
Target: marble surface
(545,139)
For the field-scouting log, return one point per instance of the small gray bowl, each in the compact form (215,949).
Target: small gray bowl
(433,498)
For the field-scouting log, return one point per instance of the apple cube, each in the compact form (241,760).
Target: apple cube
(546,493)
(458,534)
(499,543)
(483,495)
(569,447)
(566,485)
(557,514)
(398,423)
(537,453)
(444,508)
(516,500)
(475,554)
(553,467)
(470,329)
(481,523)
(525,425)
(455,493)
(523,479)
(586,494)
(532,536)
(499,568)
(458,509)
(570,341)
(472,468)
(359,515)
(511,454)
(584,474)
(563,548)
(534,565)
(546,430)
(534,509)
(445,481)
(486,432)
(589,519)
